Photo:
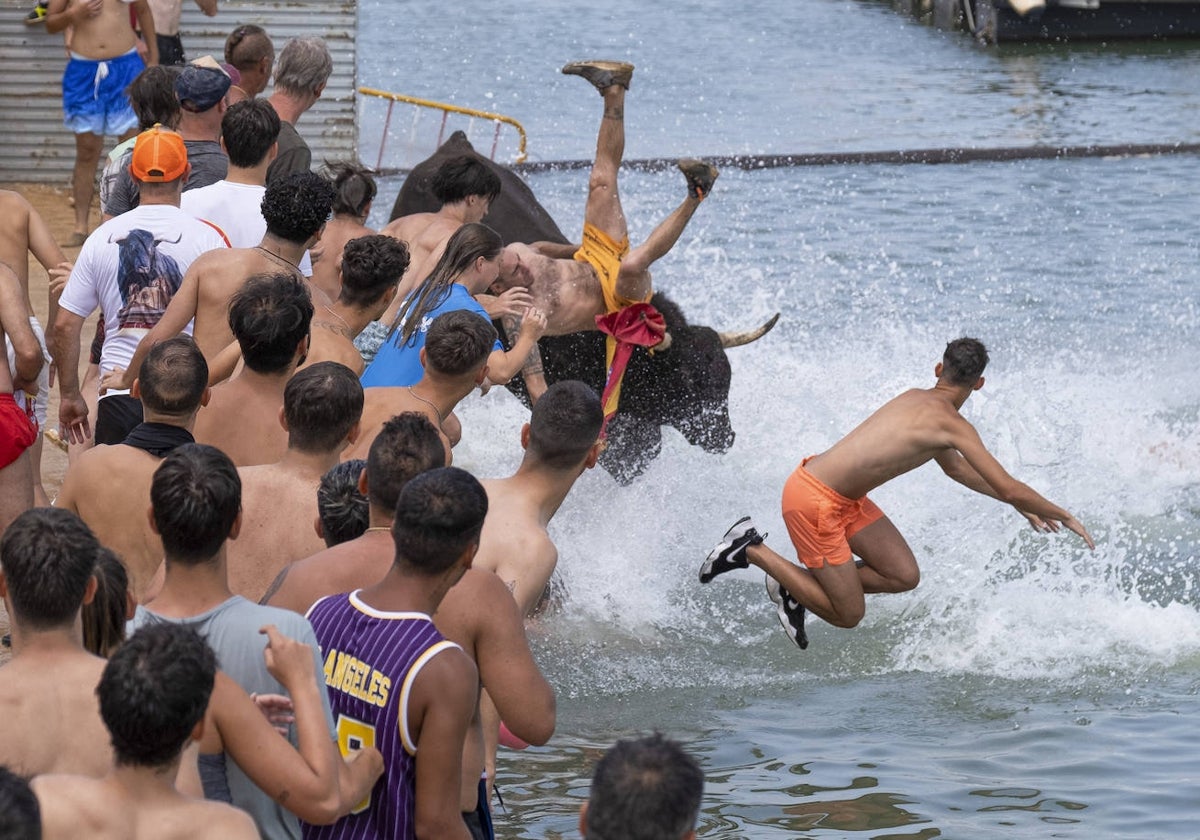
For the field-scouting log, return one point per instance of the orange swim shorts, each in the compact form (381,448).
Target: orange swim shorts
(604,254)
(821,521)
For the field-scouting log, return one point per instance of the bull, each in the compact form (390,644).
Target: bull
(146,278)
(685,387)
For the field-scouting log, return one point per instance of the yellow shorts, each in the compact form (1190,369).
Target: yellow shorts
(604,255)
(821,521)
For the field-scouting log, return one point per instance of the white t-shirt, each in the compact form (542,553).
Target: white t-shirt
(237,210)
(131,266)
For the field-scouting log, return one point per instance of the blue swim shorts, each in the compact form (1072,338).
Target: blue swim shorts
(94,97)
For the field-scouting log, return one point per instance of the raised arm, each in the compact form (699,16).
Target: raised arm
(980,471)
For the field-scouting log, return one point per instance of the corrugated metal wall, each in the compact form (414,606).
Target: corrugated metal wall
(34,145)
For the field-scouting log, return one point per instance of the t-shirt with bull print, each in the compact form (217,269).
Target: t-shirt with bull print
(131,267)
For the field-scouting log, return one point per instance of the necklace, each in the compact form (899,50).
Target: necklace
(279,259)
(380,528)
(345,326)
(417,396)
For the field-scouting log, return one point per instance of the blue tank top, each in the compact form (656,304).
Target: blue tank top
(370,661)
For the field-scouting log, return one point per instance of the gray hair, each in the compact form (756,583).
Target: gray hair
(303,66)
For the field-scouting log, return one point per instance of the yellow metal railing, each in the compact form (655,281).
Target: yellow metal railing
(446,109)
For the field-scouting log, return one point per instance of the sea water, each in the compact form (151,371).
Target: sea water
(1028,687)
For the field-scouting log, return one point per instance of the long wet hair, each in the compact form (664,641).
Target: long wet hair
(469,243)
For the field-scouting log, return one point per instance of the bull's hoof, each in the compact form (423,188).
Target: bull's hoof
(700,177)
(602,74)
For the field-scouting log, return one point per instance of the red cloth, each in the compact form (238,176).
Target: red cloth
(17,430)
(637,325)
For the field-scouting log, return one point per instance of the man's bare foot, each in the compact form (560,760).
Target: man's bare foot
(700,177)
(602,74)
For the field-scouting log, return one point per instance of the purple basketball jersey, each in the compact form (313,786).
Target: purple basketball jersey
(371,659)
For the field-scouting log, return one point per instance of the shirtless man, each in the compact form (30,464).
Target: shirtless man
(354,191)
(561,440)
(573,284)
(455,358)
(18,432)
(49,717)
(152,695)
(371,267)
(295,209)
(322,406)
(405,447)
(24,232)
(829,516)
(109,486)
(477,613)
(466,188)
(104,60)
(270,318)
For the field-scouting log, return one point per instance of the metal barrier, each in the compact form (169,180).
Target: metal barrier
(499,120)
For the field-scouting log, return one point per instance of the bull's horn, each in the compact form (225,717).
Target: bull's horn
(737,339)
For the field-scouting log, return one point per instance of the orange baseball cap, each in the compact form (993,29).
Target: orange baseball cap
(159,155)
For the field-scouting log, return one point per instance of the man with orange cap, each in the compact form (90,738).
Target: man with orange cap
(129,267)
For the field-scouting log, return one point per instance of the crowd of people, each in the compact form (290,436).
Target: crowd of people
(261,601)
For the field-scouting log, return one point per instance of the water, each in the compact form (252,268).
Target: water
(1028,687)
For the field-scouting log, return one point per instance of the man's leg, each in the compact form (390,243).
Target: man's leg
(83,186)
(16,490)
(603,208)
(835,593)
(888,562)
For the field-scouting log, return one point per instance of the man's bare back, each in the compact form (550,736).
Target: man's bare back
(102,809)
(351,565)
(331,342)
(279,507)
(515,544)
(426,235)
(903,434)
(50,717)
(242,420)
(326,255)
(210,282)
(109,488)
(383,403)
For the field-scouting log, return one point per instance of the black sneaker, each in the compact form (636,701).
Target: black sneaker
(730,552)
(700,176)
(38,15)
(791,613)
(602,74)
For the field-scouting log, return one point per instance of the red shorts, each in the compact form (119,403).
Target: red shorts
(821,521)
(17,432)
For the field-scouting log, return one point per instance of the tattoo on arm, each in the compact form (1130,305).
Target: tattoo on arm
(275,584)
